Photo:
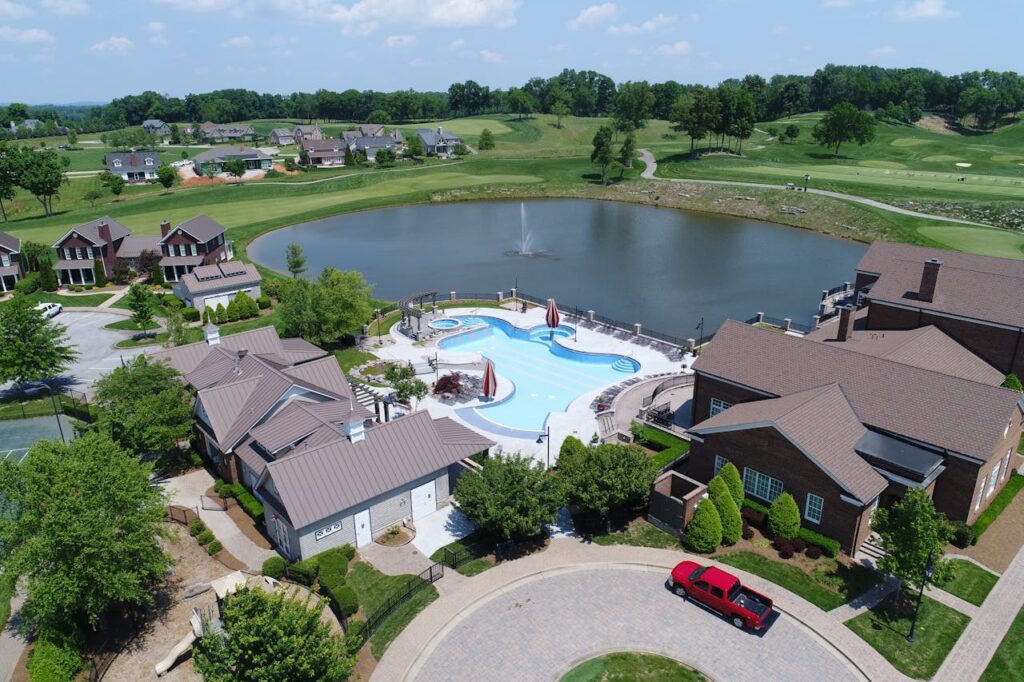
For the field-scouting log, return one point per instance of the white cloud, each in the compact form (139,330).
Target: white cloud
(400,41)
(492,57)
(694,18)
(837,3)
(593,16)
(66,7)
(24,35)
(659,22)
(14,9)
(457,44)
(884,51)
(924,9)
(200,5)
(365,16)
(237,41)
(634,51)
(675,49)
(117,45)
(156,30)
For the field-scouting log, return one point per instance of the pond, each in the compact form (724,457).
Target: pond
(661,267)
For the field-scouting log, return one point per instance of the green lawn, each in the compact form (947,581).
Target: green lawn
(373,588)
(669,447)
(6,592)
(639,533)
(850,582)
(480,550)
(630,667)
(938,629)
(21,409)
(1008,660)
(1002,501)
(988,242)
(351,357)
(82,301)
(971,582)
(129,325)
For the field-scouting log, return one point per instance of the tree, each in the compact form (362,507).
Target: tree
(704,534)
(384,157)
(784,517)
(403,379)
(791,132)
(32,347)
(92,195)
(728,512)
(144,406)
(633,105)
(731,476)
(602,154)
(571,447)
(272,637)
(343,303)
(149,264)
(99,273)
(414,147)
(1013,382)
(560,110)
(47,275)
(296,259)
(81,524)
(42,174)
(913,532)
(141,303)
(122,273)
(177,332)
(606,477)
(32,253)
(10,173)
(486,140)
(115,183)
(175,134)
(380,116)
(72,136)
(521,102)
(627,153)
(509,497)
(166,175)
(235,168)
(844,123)
(350,158)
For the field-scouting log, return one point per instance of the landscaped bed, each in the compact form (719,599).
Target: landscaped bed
(374,588)
(1002,501)
(630,666)
(885,627)
(667,448)
(970,582)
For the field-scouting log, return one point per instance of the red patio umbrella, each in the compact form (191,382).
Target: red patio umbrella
(490,388)
(552,316)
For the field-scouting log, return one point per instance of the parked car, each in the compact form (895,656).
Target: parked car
(722,592)
(50,309)
(181,163)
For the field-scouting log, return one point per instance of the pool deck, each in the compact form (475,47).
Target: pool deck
(579,418)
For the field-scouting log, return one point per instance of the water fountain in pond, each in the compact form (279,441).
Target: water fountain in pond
(525,238)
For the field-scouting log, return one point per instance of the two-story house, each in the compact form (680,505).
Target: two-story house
(155,126)
(308,132)
(190,244)
(226,132)
(133,166)
(11,269)
(104,241)
(438,143)
(324,152)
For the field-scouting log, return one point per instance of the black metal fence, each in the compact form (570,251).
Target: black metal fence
(67,401)
(409,589)
(455,558)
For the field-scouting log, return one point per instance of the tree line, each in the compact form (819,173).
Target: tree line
(982,98)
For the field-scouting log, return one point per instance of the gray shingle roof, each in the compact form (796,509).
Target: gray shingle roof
(315,483)
(931,407)
(328,145)
(226,275)
(132,162)
(224,154)
(90,231)
(202,227)
(133,246)
(10,243)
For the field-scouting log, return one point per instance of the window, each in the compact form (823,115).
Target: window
(760,485)
(67,254)
(992,481)
(814,507)
(719,463)
(981,496)
(1006,462)
(195,250)
(717,592)
(149,161)
(5,260)
(78,253)
(88,251)
(718,406)
(117,163)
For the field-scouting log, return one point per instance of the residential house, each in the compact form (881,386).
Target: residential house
(282,137)
(211,162)
(974,299)
(308,132)
(190,244)
(350,136)
(438,143)
(848,423)
(324,152)
(369,146)
(11,267)
(218,284)
(226,132)
(279,416)
(155,126)
(103,240)
(133,166)
(371,130)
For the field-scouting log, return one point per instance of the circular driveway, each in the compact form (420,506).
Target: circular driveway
(95,346)
(538,628)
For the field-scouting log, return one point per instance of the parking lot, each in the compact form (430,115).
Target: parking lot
(95,345)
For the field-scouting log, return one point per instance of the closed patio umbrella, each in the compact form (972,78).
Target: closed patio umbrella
(552,317)
(490,388)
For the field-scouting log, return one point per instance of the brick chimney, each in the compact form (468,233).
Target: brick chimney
(845,323)
(132,160)
(165,227)
(929,279)
(104,231)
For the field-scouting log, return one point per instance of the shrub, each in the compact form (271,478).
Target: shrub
(28,284)
(731,476)
(348,551)
(190,314)
(755,505)
(748,532)
(813,552)
(263,302)
(345,600)
(163,285)
(963,535)
(704,534)
(784,516)
(195,527)
(205,537)
(356,636)
(333,567)
(289,164)
(300,573)
(753,517)
(728,513)
(271,287)
(799,544)
(274,567)
(784,546)
(99,273)
(214,547)
(449,383)
(171,301)
(273,174)
(1013,382)
(829,546)
(250,505)
(55,658)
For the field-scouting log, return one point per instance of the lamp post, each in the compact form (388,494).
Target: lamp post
(807,178)
(576,326)
(929,571)
(546,436)
(53,400)
(377,312)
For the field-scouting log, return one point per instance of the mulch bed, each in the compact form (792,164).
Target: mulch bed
(403,537)
(1003,539)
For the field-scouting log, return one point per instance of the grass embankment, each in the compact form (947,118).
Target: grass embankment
(473,547)
(373,588)
(639,533)
(22,409)
(1008,660)
(129,325)
(80,301)
(971,582)
(669,448)
(630,666)
(1002,501)
(938,629)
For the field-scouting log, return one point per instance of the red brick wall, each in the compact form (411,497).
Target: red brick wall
(705,388)
(770,453)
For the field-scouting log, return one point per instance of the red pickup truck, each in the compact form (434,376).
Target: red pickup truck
(722,592)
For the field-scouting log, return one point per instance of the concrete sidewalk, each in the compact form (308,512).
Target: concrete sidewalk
(11,643)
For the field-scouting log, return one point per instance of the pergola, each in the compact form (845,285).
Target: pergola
(412,306)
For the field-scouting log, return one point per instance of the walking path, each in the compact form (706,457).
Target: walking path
(11,643)
(652,167)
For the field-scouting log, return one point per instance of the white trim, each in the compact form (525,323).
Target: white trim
(719,467)
(717,406)
(807,508)
(770,480)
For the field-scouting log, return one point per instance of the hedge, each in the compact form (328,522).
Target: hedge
(190,314)
(214,547)
(55,658)
(346,600)
(303,575)
(828,545)
(205,538)
(250,505)
(333,567)
(274,567)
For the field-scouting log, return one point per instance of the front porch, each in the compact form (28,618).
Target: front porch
(80,276)
(8,280)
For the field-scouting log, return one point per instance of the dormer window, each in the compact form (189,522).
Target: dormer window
(117,163)
(149,161)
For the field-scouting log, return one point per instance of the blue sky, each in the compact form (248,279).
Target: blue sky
(92,50)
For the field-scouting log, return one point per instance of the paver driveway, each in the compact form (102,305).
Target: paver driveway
(95,346)
(541,627)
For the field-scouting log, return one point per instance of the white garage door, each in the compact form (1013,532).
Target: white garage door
(214,301)
(423,500)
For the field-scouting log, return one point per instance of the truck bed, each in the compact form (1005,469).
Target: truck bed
(751,602)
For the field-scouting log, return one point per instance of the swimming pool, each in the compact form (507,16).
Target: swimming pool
(546,375)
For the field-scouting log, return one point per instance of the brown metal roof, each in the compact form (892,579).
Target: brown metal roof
(263,341)
(315,483)
(10,243)
(207,278)
(931,407)
(821,422)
